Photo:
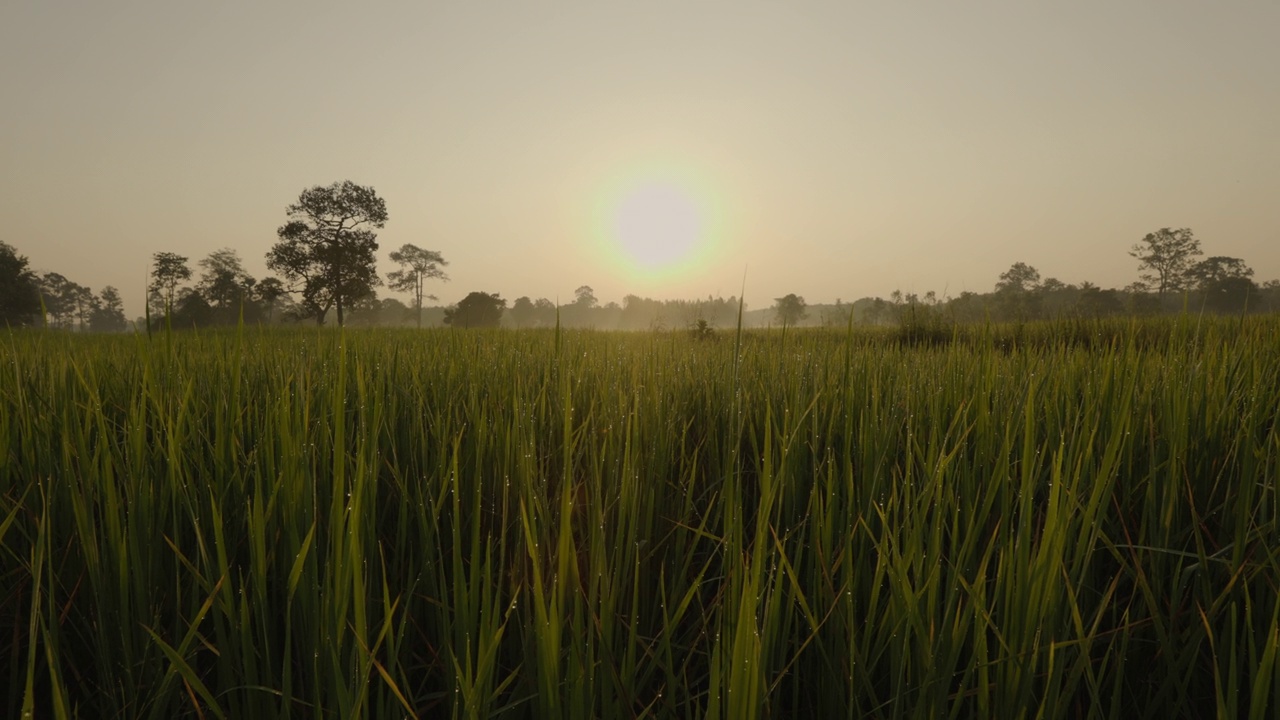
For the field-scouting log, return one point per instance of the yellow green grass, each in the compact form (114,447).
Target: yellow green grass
(1052,521)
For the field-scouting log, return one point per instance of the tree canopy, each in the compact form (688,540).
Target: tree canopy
(477,309)
(1166,256)
(585,297)
(224,282)
(790,309)
(108,312)
(19,289)
(168,271)
(328,246)
(1020,277)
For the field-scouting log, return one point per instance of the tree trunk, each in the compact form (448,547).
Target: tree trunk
(419,297)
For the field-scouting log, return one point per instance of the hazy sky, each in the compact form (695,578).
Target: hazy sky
(833,149)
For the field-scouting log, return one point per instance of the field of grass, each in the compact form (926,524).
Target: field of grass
(1050,521)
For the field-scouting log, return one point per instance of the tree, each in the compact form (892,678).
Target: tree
(1231,295)
(168,271)
(19,289)
(394,312)
(1226,284)
(192,310)
(1053,285)
(268,292)
(416,267)
(1139,300)
(839,316)
(477,309)
(366,310)
(585,297)
(1096,302)
(57,295)
(790,309)
(969,306)
(1020,277)
(1017,291)
(108,312)
(1166,256)
(1269,296)
(545,312)
(329,247)
(81,301)
(1216,269)
(522,311)
(224,283)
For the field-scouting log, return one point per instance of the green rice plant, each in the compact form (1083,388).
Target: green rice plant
(1051,520)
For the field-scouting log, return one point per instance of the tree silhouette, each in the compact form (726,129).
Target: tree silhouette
(522,311)
(585,297)
(328,246)
(416,267)
(1226,283)
(108,312)
(1017,292)
(1166,256)
(268,292)
(1020,277)
(168,271)
(1217,269)
(477,309)
(58,296)
(224,282)
(19,289)
(790,309)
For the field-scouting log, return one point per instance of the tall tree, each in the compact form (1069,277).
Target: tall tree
(1166,256)
(57,294)
(224,283)
(328,245)
(19,289)
(168,271)
(416,267)
(108,312)
(81,301)
(790,309)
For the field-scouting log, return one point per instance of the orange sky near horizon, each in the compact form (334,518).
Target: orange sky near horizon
(831,149)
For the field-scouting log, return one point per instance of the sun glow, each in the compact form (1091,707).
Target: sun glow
(658,224)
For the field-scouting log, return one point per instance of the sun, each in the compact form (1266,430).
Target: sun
(657,225)
(657,222)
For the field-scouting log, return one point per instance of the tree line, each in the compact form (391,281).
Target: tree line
(28,297)
(325,262)
(1173,276)
(325,257)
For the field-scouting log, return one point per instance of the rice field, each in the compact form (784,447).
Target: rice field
(1051,521)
